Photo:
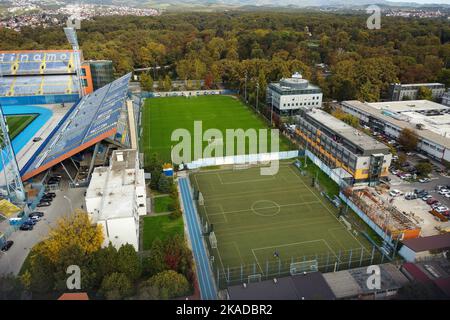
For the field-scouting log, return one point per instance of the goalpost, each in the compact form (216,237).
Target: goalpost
(303,267)
(254,278)
(201,200)
(242,166)
(213,240)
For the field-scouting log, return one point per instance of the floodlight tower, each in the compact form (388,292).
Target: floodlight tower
(71,35)
(11,182)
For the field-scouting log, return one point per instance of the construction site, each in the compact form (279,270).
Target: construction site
(379,209)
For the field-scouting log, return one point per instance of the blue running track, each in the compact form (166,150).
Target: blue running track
(204,274)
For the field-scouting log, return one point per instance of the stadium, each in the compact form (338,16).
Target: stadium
(55,121)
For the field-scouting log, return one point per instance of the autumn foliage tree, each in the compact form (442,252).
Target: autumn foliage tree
(408,139)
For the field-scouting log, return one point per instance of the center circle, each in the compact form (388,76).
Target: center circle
(266,208)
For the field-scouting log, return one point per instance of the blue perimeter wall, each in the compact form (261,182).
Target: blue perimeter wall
(44,99)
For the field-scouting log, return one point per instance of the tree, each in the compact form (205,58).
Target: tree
(408,139)
(74,230)
(116,286)
(104,262)
(41,273)
(11,288)
(424,93)
(178,257)
(154,263)
(424,168)
(167,83)
(164,184)
(170,284)
(147,82)
(128,262)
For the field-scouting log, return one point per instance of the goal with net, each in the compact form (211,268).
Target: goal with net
(213,240)
(303,267)
(241,166)
(254,278)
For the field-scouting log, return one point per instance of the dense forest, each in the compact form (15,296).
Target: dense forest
(225,47)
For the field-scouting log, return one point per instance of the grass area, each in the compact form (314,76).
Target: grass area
(162,116)
(254,216)
(162,203)
(18,123)
(161,227)
(331,187)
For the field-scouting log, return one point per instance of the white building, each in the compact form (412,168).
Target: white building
(446,98)
(400,92)
(291,94)
(116,198)
(430,120)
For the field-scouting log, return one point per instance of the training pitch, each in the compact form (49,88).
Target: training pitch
(264,223)
(162,116)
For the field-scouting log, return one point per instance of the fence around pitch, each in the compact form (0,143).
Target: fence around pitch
(226,276)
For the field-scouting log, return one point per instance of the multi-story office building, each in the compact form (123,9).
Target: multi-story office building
(290,94)
(400,92)
(116,197)
(429,120)
(339,145)
(102,72)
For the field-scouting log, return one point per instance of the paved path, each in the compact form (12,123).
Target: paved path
(204,274)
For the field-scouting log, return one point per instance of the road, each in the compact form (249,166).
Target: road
(12,261)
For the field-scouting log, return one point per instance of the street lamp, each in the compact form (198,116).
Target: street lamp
(70,203)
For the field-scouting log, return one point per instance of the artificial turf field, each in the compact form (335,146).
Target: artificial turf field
(18,123)
(254,216)
(161,116)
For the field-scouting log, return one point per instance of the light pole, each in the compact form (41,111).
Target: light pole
(257,96)
(70,203)
(245,88)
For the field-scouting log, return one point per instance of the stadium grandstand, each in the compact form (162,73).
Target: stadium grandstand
(43,76)
(102,115)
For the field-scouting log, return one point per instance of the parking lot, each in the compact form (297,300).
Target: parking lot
(417,209)
(12,260)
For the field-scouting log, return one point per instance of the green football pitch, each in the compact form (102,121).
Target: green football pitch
(263,224)
(162,116)
(18,123)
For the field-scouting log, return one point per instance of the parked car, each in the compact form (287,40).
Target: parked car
(46,199)
(30,221)
(443,191)
(427,197)
(43,204)
(51,194)
(394,192)
(26,227)
(7,245)
(411,196)
(431,201)
(424,180)
(37,139)
(36,214)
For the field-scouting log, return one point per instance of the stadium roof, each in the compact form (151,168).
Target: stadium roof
(93,119)
(37,62)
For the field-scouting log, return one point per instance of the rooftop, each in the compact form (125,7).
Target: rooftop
(412,105)
(397,121)
(311,286)
(346,131)
(419,84)
(294,85)
(441,241)
(116,186)
(353,282)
